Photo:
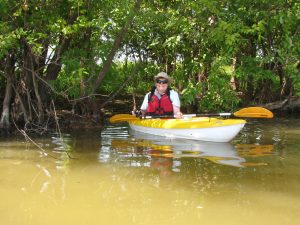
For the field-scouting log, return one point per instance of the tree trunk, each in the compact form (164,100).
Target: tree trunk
(285,82)
(39,100)
(54,66)
(116,45)
(9,70)
(53,69)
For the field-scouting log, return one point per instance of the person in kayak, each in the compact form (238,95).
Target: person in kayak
(161,100)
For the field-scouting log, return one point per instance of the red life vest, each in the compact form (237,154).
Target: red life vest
(162,106)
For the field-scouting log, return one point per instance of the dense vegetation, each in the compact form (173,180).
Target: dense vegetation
(222,54)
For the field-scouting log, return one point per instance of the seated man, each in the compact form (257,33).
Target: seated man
(161,100)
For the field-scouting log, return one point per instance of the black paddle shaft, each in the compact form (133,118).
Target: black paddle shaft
(186,115)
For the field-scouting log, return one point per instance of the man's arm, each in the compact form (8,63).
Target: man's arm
(177,113)
(176,105)
(144,106)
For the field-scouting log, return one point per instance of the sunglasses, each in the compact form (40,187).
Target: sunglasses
(162,81)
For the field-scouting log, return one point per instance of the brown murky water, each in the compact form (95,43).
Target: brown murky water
(118,177)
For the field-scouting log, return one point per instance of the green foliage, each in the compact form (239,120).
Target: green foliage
(251,71)
(256,42)
(190,93)
(293,73)
(71,83)
(113,80)
(219,95)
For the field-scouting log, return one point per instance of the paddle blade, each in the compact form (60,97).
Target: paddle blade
(254,112)
(122,118)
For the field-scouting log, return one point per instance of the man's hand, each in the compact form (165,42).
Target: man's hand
(178,115)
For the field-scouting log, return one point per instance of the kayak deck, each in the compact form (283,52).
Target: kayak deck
(186,123)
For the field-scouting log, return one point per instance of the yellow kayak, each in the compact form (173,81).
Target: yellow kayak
(196,128)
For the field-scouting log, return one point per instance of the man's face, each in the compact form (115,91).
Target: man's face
(162,85)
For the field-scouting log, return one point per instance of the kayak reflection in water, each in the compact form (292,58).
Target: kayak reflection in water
(166,154)
(220,153)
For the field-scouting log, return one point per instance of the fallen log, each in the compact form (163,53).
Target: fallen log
(288,105)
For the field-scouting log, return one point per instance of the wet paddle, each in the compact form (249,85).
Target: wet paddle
(249,112)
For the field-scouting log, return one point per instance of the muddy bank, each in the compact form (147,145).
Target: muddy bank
(86,115)
(66,119)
